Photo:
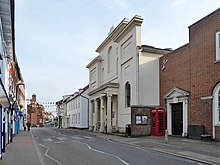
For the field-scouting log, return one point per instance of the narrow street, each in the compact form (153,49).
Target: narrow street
(68,147)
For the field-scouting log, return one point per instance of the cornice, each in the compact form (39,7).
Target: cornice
(104,86)
(135,21)
(96,59)
(114,33)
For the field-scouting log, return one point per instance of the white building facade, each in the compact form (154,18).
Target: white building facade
(77,109)
(63,112)
(124,73)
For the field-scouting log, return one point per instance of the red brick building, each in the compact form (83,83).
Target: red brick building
(36,112)
(190,81)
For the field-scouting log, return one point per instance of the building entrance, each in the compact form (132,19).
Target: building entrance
(177,119)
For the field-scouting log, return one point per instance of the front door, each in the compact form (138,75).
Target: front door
(177,119)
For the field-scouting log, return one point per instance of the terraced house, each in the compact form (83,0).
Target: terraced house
(12,87)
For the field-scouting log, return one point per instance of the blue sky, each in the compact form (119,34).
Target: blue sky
(56,39)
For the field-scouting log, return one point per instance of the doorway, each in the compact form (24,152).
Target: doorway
(177,118)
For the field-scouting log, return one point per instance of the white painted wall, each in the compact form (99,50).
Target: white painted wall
(77,110)
(128,71)
(126,64)
(149,78)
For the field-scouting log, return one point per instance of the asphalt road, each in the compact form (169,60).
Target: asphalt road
(74,147)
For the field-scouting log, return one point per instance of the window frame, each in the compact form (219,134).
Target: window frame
(218,47)
(141,119)
(216,105)
(127,95)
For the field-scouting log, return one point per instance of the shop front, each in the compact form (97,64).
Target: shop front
(4,118)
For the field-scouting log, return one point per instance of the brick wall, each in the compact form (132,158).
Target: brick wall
(205,73)
(36,112)
(193,68)
(176,72)
(140,130)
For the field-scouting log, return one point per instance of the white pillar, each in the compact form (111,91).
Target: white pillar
(96,115)
(109,116)
(185,118)
(116,113)
(90,116)
(169,119)
(102,108)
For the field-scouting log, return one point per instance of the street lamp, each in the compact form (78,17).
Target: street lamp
(16,97)
(18,101)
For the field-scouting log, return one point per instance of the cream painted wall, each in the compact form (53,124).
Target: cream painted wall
(127,64)
(128,72)
(149,78)
(94,76)
(111,74)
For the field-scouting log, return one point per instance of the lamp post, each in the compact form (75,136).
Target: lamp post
(16,93)
(18,101)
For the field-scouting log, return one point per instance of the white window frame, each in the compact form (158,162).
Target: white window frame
(218,46)
(216,105)
(216,112)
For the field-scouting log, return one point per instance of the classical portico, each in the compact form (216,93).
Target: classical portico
(103,109)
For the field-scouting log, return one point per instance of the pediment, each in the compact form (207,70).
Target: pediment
(176,93)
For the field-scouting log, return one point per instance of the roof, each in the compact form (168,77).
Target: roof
(113,33)
(152,49)
(135,21)
(7,19)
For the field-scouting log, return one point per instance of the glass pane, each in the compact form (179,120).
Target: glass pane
(219,39)
(144,119)
(219,114)
(138,119)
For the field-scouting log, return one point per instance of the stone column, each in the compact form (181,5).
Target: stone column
(109,115)
(90,116)
(102,109)
(96,115)
(116,114)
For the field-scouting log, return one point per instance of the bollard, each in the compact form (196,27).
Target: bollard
(166,136)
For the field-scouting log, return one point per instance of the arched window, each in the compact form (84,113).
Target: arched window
(218,106)
(216,103)
(127,94)
(110,57)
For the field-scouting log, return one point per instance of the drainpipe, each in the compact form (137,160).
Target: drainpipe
(139,49)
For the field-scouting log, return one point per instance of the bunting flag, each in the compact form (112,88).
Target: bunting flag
(45,104)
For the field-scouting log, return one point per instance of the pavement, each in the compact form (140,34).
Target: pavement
(23,150)
(197,150)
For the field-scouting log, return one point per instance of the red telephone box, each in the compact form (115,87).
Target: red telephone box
(158,122)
